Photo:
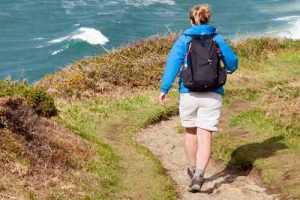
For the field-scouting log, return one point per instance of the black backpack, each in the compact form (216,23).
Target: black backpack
(203,71)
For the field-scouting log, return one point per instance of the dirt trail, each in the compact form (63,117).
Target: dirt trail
(164,141)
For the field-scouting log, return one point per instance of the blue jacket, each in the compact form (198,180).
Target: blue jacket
(177,57)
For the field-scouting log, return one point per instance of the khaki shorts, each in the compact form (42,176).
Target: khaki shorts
(200,110)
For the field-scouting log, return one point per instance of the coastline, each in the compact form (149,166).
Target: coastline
(103,101)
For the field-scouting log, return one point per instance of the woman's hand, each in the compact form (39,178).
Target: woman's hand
(162,98)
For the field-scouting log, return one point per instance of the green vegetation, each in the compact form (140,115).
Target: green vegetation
(123,68)
(257,107)
(119,69)
(263,131)
(34,149)
(108,98)
(115,120)
(36,97)
(257,49)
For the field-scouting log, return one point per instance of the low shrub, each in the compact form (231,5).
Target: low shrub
(140,65)
(254,49)
(36,97)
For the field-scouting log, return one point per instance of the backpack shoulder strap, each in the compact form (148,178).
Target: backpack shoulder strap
(186,56)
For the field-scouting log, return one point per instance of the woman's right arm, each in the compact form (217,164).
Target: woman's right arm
(174,63)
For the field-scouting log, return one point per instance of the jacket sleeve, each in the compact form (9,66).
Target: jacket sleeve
(228,57)
(174,62)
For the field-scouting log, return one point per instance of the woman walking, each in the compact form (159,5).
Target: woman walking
(206,58)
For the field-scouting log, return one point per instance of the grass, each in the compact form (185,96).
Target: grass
(263,131)
(268,67)
(113,121)
(104,166)
(34,149)
(271,148)
(105,101)
(123,68)
(118,69)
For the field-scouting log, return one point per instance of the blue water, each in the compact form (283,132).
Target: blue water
(40,37)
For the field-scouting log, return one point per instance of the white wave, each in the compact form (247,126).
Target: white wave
(89,35)
(57,52)
(148,2)
(288,18)
(115,21)
(73,3)
(39,46)
(59,40)
(38,39)
(291,29)
(60,50)
(284,7)
(293,32)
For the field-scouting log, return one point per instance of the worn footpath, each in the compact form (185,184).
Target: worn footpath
(167,144)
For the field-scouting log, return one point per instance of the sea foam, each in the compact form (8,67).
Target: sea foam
(288,18)
(89,35)
(148,2)
(57,52)
(291,29)
(282,8)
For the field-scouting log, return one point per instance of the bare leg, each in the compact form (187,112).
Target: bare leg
(204,148)
(191,145)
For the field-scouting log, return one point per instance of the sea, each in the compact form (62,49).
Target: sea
(42,36)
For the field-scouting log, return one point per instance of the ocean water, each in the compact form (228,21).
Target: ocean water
(40,37)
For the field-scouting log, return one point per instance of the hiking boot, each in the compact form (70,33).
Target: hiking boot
(196,184)
(190,172)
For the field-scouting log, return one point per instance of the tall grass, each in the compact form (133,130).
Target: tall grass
(110,123)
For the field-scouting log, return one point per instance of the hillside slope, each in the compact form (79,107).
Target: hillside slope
(107,99)
(40,159)
(115,71)
(262,99)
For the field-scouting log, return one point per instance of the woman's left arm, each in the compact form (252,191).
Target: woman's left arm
(229,58)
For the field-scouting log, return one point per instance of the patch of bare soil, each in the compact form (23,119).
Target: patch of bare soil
(37,157)
(168,145)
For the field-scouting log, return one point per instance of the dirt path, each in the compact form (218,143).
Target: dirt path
(164,141)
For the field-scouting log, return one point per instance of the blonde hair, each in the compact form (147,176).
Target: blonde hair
(200,14)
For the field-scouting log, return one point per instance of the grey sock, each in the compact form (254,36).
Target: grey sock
(199,172)
(192,168)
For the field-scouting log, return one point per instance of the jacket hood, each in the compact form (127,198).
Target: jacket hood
(200,30)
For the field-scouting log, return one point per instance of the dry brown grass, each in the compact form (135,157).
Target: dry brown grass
(37,156)
(138,65)
(254,49)
(284,103)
